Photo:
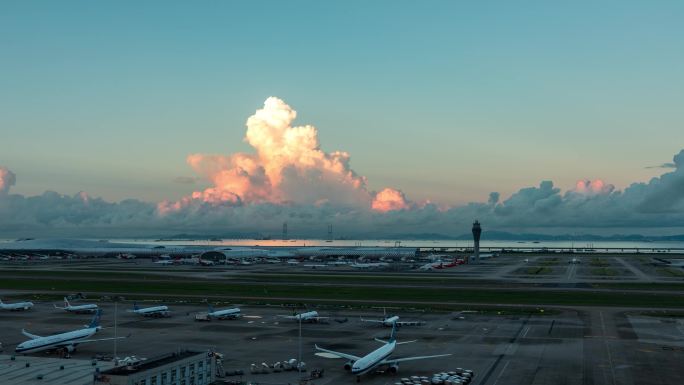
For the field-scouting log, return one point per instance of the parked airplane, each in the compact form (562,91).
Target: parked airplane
(376,265)
(379,357)
(79,309)
(232,313)
(16,305)
(65,341)
(309,316)
(393,320)
(154,311)
(437,265)
(460,315)
(670,262)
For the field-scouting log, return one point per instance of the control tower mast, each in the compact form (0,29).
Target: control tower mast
(477,230)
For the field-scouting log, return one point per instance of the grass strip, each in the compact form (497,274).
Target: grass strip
(352,294)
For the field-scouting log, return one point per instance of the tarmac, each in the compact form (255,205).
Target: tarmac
(568,346)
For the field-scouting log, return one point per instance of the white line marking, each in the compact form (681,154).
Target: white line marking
(527,329)
(501,372)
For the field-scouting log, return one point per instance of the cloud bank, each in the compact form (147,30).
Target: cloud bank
(289,178)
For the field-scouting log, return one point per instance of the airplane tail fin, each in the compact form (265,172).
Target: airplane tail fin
(96,319)
(66,302)
(135,306)
(1,303)
(393,336)
(211,308)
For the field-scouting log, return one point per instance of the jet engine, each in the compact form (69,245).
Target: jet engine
(348,365)
(394,369)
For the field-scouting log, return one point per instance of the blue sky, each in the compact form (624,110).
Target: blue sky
(444,100)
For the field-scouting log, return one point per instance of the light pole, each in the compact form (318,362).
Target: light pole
(299,360)
(116,340)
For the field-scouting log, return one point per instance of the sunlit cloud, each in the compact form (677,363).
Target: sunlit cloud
(7,180)
(288,166)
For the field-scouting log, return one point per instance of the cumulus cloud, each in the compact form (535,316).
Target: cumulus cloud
(287,167)
(390,199)
(664,194)
(597,186)
(7,180)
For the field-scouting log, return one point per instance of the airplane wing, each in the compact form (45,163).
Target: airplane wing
(102,339)
(372,320)
(29,335)
(391,361)
(398,343)
(341,355)
(409,323)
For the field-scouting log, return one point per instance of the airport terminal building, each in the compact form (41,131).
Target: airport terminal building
(180,368)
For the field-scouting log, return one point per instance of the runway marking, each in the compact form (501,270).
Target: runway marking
(603,324)
(605,343)
(501,372)
(527,329)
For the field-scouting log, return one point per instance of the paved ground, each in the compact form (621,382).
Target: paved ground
(573,346)
(505,268)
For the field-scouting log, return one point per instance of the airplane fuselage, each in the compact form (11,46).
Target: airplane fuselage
(16,306)
(309,316)
(224,314)
(156,311)
(390,321)
(82,309)
(55,341)
(373,359)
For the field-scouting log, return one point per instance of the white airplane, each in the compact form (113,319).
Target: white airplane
(79,309)
(460,315)
(233,313)
(376,265)
(66,341)
(671,262)
(164,262)
(393,320)
(154,311)
(16,305)
(379,357)
(309,316)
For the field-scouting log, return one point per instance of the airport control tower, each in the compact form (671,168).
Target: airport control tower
(477,230)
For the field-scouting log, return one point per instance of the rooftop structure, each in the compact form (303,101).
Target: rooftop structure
(28,370)
(184,367)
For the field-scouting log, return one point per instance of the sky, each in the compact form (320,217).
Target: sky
(441,102)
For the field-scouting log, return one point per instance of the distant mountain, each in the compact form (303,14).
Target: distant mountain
(491,235)
(506,236)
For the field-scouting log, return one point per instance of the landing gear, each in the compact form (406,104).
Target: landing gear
(358,378)
(64,353)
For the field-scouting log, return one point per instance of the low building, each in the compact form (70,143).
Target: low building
(181,368)
(30,370)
